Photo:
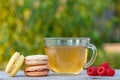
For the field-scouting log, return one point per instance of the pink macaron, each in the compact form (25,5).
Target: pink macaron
(36,71)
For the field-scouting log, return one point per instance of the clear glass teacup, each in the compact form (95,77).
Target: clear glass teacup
(69,55)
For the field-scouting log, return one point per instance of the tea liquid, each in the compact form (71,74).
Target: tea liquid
(66,59)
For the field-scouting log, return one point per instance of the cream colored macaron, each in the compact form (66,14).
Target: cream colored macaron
(14,64)
(36,60)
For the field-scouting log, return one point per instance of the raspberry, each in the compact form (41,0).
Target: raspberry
(110,72)
(92,71)
(106,65)
(101,71)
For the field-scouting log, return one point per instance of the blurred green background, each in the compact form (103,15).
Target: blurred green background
(24,24)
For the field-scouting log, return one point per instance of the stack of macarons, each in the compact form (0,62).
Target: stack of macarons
(37,65)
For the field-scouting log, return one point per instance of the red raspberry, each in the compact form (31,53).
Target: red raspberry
(92,71)
(106,65)
(101,71)
(110,72)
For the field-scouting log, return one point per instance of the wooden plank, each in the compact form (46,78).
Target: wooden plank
(112,47)
(82,76)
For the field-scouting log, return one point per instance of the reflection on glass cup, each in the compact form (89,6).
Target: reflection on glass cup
(68,55)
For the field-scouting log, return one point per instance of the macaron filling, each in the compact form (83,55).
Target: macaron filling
(39,70)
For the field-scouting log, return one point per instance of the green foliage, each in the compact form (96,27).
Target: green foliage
(111,58)
(24,23)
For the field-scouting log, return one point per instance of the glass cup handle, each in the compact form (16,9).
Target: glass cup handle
(94,54)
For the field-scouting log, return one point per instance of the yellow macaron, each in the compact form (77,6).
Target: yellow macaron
(14,64)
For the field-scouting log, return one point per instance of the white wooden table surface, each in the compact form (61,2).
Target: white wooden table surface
(82,76)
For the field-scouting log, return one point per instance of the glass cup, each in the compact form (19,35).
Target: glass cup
(69,55)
